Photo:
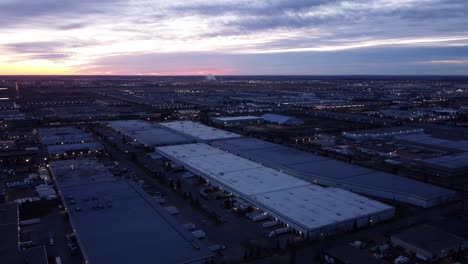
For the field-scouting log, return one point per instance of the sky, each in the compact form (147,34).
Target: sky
(242,37)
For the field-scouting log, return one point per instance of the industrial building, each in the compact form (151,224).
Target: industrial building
(452,160)
(115,221)
(281,119)
(429,243)
(347,254)
(330,172)
(381,133)
(63,135)
(309,210)
(199,131)
(451,165)
(149,134)
(68,141)
(425,140)
(236,120)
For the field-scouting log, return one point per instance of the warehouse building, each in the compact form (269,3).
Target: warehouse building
(199,131)
(149,134)
(381,133)
(236,120)
(63,135)
(68,141)
(429,243)
(330,172)
(112,217)
(429,141)
(451,165)
(75,149)
(310,210)
(281,119)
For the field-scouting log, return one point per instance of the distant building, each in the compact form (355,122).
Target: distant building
(429,243)
(68,142)
(198,131)
(281,119)
(381,133)
(236,120)
(149,134)
(446,166)
(7,105)
(347,254)
(7,93)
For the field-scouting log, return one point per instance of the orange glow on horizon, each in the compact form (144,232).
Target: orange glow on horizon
(204,71)
(46,68)
(33,69)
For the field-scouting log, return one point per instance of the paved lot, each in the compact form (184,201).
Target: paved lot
(57,224)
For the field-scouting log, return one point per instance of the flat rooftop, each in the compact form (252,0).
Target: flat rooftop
(236,118)
(310,206)
(245,176)
(149,134)
(118,222)
(54,131)
(198,130)
(59,139)
(430,141)
(309,166)
(430,238)
(76,147)
(315,207)
(457,161)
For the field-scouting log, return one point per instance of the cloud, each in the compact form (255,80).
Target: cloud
(389,60)
(45,50)
(86,34)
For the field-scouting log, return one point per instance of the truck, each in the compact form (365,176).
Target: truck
(30,221)
(216,247)
(199,234)
(189,226)
(279,231)
(260,217)
(172,210)
(257,216)
(51,239)
(270,224)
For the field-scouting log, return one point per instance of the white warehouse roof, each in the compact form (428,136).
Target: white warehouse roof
(314,206)
(198,130)
(244,176)
(284,196)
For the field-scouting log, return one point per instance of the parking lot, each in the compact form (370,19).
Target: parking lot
(51,232)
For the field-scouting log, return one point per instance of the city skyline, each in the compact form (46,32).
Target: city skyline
(427,37)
